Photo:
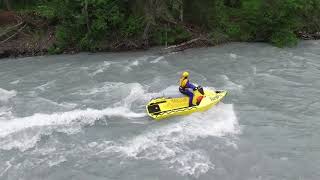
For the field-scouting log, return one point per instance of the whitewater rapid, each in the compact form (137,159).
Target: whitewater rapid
(86,113)
(166,142)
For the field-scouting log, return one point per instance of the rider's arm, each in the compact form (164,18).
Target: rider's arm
(189,85)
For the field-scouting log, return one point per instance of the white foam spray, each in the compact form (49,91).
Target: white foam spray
(169,143)
(101,68)
(230,84)
(157,59)
(69,122)
(5,95)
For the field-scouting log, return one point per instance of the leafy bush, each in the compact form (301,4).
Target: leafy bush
(284,38)
(46,11)
(54,50)
(233,31)
(133,26)
(170,35)
(217,37)
(83,24)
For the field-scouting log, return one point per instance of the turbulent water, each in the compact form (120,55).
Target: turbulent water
(83,116)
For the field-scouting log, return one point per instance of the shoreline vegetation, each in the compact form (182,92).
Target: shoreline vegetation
(39,27)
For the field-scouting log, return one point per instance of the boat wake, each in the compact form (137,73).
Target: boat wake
(170,142)
(23,133)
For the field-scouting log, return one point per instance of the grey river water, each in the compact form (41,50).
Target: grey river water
(83,116)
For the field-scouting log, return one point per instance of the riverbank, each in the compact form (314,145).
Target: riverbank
(26,45)
(28,34)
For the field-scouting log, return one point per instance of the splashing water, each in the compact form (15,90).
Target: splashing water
(86,113)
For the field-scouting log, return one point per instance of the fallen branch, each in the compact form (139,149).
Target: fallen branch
(128,44)
(118,45)
(196,42)
(184,44)
(19,18)
(14,34)
(133,44)
(9,29)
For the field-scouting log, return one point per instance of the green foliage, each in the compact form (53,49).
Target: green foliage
(62,36)
(272,21)
(46,11)
(54,50)
(86,43)
(310,16)
(170,35)
(234,31)
(284,38)
(83,24)
(217,37)
(207,14)
(133,26)
(180,34)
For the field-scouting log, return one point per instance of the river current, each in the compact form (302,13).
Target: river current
(83,116)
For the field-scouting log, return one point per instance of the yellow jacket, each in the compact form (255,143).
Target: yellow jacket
(183,82)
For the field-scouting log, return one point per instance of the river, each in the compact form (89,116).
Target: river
(83,116)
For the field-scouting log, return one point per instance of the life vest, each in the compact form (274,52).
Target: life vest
(183,82)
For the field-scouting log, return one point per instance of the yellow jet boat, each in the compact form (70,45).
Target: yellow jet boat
(164,107)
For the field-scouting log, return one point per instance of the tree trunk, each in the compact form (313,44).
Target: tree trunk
(181,11)
(166,35)
(146,31)
(7,5)
(87,15)
(145,35)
